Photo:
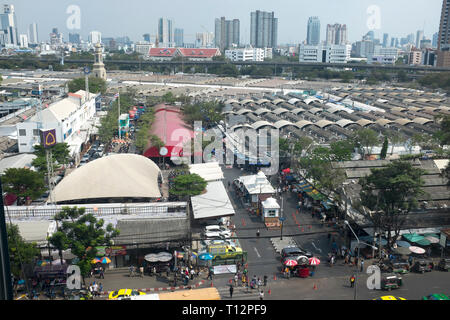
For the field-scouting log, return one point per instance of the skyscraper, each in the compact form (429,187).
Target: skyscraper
(95,37)
(146,37)
(410,38)
(227,33)
(313,37)
(179,37)
(23,40)
(444,27)
(55,37)
(385,40)
(263,29)
(336,34)
(33,34)
(9,25)
(435,40)
(419,37)
(74,38)
(165,32)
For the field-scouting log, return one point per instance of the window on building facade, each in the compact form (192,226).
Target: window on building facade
(35,132)
(22,132)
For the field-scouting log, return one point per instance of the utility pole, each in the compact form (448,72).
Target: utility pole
(6,292)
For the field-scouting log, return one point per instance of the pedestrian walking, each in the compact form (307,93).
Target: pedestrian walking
(257,233)
(352,281)
(231,291)
(261,295)
(209,274)
(141,271)
(192,273)
(102,273)
(346,258)
(362,265)
(259,283)
(265,280)
(236,277)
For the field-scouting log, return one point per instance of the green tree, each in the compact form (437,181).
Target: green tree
(365,139)
(302,144)
(396,138)
(188,185)
(384,149)
(342,150)
(20,251)
(60,156)
(96,85)
(443,135)
(81,233)
(390,194)
(23,183)
(208,112)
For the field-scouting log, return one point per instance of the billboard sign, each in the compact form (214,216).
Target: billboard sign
(48,138)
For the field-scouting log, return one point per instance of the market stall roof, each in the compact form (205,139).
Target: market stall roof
(18,161)
(36,231)
(210,171)
(114,176)
(214,203)
(256,184)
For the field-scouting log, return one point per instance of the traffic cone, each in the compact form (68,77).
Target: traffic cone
(274,277)
(303,230)
(269,292)
(315,287)
(212,285)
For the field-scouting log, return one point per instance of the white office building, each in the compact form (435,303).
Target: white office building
(23,41)
(72,118)
(248,54)
(383,55)
(143,47)
(95,37)
(325,53)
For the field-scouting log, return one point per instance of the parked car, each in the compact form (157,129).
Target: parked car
(422,265)
(444,264)
(294,252)
(399,266)
(214,235)
(220,229)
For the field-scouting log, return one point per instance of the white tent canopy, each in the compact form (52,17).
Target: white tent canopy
(257,184)
(210,171)
(214,203)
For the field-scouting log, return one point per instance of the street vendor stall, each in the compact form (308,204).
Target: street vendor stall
(271,213)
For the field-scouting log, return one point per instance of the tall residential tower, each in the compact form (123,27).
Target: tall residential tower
(263,29)
(313,37)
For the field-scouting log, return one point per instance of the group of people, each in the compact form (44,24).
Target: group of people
(95,289)
(186,274)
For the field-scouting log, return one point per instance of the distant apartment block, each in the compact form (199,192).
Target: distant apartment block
(325,53)
(249,54)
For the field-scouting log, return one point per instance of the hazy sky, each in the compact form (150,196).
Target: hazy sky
(133,18)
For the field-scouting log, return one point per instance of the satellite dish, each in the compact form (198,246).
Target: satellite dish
(163,151)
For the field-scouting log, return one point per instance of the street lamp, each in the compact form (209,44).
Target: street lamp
(359,242)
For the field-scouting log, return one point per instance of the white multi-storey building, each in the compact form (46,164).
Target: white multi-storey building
(70,118)
(95,37)
(248,54)
(325,53)
(383,55)
(143,47)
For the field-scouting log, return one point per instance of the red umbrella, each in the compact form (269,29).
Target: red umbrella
(288,170)
(314,261)
(290,263)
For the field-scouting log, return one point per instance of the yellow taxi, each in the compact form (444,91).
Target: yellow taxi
(124,293)
(389,298)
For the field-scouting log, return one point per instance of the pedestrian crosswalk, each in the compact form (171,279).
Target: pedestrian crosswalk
(239,293)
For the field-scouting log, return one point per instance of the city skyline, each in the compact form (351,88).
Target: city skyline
(416,15)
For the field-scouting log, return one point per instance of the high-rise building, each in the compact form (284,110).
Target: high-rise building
(23,40)
(313,36)
(146,37)
(33,33)
(227,33)
(369,36)
(263,29)
(385,40)
(443,41)
(435,40)
(165,33)
(204,40)
(419,37)
(336,34)
(179,37)
(9,25)
(56,37)
(74,38)
(410,37)
(95,37)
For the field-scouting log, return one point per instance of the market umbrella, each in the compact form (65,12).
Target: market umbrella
(105,260)
(432,239)
(290,263)
(402,251)
(403,244)
(95,260)
(205,256)
(423,242)
(413,237)
(314,261)
(302,260)
(370,240)
(151,257)
(417,250)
